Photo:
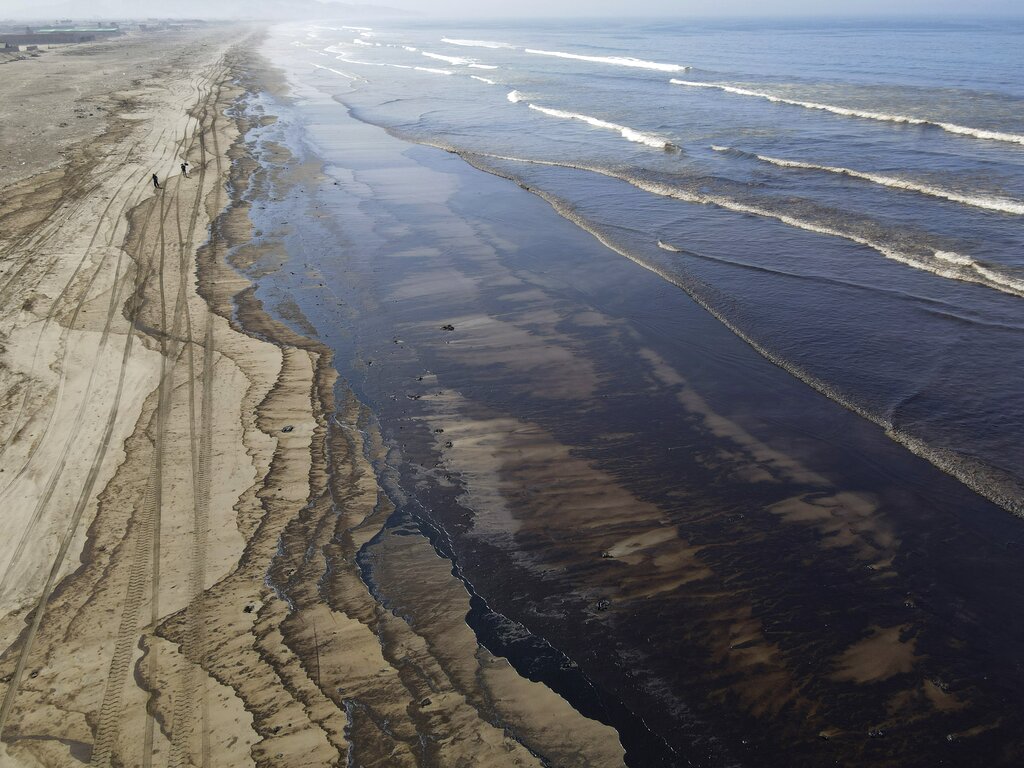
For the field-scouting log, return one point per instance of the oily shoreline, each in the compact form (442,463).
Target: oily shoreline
(350,460)
(217,613)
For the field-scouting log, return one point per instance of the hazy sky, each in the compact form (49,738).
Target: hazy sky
(523,8)
(708,7)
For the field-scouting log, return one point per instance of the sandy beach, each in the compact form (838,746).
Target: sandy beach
(369,442)
(177,467)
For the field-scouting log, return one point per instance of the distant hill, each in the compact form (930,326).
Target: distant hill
(274,10)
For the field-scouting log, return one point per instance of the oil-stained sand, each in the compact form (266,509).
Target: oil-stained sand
(188,484)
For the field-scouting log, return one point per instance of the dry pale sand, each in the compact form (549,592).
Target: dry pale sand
(183,497)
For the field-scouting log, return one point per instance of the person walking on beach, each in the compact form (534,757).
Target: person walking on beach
(188,169)
(184,170)
(156,182)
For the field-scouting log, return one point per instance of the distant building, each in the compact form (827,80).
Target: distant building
(44,38)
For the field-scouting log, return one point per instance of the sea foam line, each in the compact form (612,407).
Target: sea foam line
(457,60)
(991,203)
(344,57)
(625,131)
(962,130)
(336,71)
(483,79)
(620,61)
(476,43)
(339,29)
(514,96)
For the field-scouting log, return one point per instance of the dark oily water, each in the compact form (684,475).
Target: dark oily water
(685,541)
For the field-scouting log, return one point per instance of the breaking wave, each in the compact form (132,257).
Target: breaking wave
(457,60)
(962,130)
(515,97)
(625,131)
(621,61)
(476,43)
(991,203)
(483,79)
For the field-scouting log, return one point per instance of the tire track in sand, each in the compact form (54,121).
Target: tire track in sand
(142,280)
(146,549)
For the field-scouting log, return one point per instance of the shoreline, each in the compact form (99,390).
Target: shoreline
(329,460)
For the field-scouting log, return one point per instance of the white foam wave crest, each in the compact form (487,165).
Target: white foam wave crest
(514,96)
(475,43)
(954,258)
(344,57)
(620,61)
(410,48)
(456,60)
(991,203)
(978,133)
(625,131)
(357,41)
(308,47)
(1010,284)
(483,79)
(337,72)
(459,61)
(340,29)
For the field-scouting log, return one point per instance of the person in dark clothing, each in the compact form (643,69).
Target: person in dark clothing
(156,182)
(184,170)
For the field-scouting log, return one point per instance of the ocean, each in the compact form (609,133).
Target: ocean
(697,350)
